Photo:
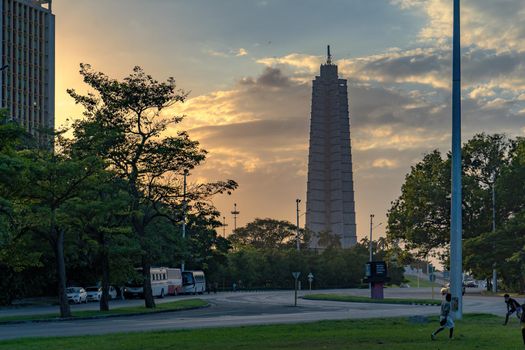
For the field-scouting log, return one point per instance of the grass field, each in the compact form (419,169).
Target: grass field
(474,332)
(171,306)
(423,282)
(357,299)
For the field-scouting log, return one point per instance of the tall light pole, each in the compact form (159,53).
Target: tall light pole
(494,271)
(456,270)
(224,226)
(182,265)
(235,212)
(297,201)
(370,242)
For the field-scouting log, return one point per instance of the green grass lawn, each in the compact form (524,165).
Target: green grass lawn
(423,282)
(474,332)
(357,299)
(171,306)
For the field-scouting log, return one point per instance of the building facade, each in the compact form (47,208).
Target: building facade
(28,63)
(330,205)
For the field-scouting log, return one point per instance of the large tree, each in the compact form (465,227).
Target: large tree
(266,233)
(125,124)
(420,217)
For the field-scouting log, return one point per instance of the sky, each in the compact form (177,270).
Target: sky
(248,66)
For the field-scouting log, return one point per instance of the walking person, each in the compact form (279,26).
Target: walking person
(522,322)
(445,318)
(512,307)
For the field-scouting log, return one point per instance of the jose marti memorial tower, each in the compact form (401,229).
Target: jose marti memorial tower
(330,205)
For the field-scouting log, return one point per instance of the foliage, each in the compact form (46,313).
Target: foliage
(125,124)
(267,234)
(420,218)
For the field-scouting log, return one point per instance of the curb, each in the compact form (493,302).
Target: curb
(48,320)
(371,302)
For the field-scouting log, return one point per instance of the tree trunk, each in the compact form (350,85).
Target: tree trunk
(65,310)
(149,302)
(104,260)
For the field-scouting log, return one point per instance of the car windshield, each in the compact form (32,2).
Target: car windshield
(92,289)
(72,290)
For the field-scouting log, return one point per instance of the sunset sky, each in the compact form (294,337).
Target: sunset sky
(249,66)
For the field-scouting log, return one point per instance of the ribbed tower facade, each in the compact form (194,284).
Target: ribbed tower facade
(27,77)
(330,205)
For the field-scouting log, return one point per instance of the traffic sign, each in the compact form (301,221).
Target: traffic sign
(310,277)
(296,275)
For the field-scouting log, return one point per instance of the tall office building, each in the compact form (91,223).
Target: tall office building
(28,62)
(330,205)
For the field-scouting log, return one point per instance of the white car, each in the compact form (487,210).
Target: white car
(95,293)
(76,295)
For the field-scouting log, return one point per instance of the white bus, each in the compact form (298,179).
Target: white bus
(193,282)
(164,281)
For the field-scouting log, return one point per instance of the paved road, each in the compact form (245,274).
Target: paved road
(236,309)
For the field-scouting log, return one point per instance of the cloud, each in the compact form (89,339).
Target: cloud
(487,24)
(227,53)
(241,52)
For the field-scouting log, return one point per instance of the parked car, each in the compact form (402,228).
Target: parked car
(470,284)
(95,293)
(76,295)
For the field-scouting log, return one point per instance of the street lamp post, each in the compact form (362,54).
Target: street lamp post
(494,271)
(297,201)
(224,226)
(456,210)
(370,243)
(235,212)
(184,213)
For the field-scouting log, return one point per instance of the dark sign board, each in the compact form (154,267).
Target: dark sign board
(376,271)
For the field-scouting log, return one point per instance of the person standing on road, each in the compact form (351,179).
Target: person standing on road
(445,318)
(512,307)
(522,322)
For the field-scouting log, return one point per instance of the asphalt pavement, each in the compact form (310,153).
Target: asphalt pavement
(240,309)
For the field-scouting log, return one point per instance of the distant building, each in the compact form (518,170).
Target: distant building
(28,62)
(330,205)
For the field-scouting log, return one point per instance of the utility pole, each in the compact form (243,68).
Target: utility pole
(297,201)
(494,271)
(182,265)
(235,212)
(456,269)
(224,226)
(370,243)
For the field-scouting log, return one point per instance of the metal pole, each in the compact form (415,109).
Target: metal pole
(494,271)
(295,299)
(297,201)
(182,266)
(456,280)
(370,243)
(235,212)
(224,226)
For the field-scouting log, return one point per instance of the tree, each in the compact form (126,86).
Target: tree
(125,125)
(266,234)
(16,250)
(420,217)
(53,180)
(100,216)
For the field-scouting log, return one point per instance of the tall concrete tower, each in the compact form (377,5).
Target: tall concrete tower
(330,205)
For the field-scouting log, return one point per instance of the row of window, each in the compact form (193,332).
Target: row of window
(158,276)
